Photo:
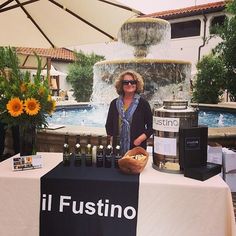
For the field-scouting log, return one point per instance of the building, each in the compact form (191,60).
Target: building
(190,30)
(55,62)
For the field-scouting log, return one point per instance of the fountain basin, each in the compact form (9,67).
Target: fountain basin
(52,140)
(157,73)
(86,115)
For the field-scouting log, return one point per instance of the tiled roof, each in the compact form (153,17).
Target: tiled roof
(189,11)
(54,53)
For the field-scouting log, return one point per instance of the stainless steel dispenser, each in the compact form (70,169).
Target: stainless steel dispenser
(167,120)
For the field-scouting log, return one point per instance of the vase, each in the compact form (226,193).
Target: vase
(27,140)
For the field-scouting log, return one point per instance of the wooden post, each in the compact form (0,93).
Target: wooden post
(48,70)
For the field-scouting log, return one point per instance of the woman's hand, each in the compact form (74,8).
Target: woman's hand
(140,139)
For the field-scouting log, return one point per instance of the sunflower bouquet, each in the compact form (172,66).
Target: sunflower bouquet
(24,99)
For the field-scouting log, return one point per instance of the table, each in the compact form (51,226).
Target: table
(169,204)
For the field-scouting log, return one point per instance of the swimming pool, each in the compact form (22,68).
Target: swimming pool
(83,116)
(216,118)
(96,117)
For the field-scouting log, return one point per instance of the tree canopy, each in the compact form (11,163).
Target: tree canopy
(81,75)
(217,71)
(209,83)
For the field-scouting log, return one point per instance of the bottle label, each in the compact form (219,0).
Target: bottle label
(88,160)
(99,160)
(108,159)
(78,159)
(66,156)
(66,159)
(78,156)
(117,157)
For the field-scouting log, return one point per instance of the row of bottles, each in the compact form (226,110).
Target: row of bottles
(104,156)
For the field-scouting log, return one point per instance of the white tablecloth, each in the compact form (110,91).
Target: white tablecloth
(169,204)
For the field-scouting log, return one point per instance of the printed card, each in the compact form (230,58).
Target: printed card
(27,162)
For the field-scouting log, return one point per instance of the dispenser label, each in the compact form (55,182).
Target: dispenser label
(165,146)
(166,124)
(192,143)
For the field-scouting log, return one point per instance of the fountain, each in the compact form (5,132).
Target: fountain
(162,77)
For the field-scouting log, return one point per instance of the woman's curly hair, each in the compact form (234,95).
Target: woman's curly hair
(136,76)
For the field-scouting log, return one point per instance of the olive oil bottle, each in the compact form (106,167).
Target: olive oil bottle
(108,153)
(88,152)
(100,153)
(66,151)
(117,151)
(78,152)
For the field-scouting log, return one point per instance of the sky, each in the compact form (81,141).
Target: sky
(151,6)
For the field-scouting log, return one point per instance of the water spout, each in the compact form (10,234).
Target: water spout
(63,113)
(221,120)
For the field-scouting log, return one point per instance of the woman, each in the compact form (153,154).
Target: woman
(129,115)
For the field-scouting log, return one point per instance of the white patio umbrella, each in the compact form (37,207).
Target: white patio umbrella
(60,23)
(52,72)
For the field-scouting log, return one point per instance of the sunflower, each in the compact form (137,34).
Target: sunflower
(15,107)
(32,106)
(41,91)
(23,87)
(52,107)
(49,98)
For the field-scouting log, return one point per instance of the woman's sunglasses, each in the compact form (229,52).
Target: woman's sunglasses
(126,82)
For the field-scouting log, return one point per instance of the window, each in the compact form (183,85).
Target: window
(218,20)
(185,29)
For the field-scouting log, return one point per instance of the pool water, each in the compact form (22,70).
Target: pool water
(88,116)
(96,117)
(217,118)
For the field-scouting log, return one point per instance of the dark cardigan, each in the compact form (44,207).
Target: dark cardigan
(141,122)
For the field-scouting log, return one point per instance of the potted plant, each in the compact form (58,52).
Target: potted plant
(25,101)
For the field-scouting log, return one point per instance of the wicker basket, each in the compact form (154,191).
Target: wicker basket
(134,161)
